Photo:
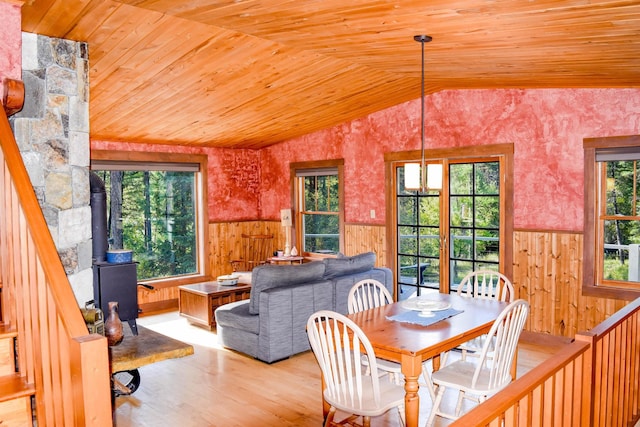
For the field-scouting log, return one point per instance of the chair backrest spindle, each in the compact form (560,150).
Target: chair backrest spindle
(366,294)
(487,284)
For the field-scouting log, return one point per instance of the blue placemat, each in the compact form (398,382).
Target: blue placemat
(414,316)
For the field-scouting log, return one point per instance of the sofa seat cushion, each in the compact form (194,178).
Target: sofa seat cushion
(342,266)
(236,315)
(275,276)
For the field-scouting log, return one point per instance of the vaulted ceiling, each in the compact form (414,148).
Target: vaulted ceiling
(250,73)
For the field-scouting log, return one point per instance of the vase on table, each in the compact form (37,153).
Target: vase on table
(294,251)
(113,325)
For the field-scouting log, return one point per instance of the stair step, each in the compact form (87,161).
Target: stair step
(7,331)
(15,401)
(15,386)
(7,353)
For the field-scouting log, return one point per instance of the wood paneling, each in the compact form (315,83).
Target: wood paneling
(547,272)
(226,241)
(366,238)
(254,73)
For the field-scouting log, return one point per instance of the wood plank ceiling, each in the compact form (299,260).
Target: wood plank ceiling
(250,73)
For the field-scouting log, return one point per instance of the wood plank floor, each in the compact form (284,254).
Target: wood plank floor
(218,387)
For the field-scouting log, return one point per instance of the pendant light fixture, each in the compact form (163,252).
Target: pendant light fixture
(418,175)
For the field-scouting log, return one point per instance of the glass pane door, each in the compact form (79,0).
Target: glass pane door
(466,211)
(418,240)
(474,219)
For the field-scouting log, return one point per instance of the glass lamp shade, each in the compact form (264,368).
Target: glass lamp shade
(412,177)
(434,176)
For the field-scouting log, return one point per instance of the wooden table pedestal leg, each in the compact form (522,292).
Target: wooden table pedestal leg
(411,369)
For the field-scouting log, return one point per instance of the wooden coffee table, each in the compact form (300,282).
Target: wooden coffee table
(199,301)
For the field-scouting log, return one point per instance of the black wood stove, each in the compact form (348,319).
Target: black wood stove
(117,282)
(111,281)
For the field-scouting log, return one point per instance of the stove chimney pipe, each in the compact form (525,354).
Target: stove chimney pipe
(98,204)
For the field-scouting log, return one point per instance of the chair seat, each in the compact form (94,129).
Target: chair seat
(391,395)
(459,375)
(384,365)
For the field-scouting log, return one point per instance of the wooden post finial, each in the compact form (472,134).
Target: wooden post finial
(12,95)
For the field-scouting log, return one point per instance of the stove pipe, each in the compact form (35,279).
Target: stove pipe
(98,204)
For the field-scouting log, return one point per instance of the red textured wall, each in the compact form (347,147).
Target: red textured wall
(546,127)
(10,41)
(232,177)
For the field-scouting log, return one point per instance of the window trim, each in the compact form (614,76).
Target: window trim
(295,170)
(138,158)
(591,286)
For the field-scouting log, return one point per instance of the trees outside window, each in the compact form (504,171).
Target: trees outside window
(153,214)
(319,207)
(154,208)
(612,217)
(441,235)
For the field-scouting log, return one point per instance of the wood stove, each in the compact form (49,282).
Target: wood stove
(111,281)
(117,282)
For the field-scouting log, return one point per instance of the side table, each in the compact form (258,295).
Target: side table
(199,301)
(286,260)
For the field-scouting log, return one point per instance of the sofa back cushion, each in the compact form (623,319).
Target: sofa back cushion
(341,266)
(273,276)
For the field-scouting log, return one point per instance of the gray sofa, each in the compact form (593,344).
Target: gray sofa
(271,325)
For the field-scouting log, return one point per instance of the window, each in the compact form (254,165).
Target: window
(318,195)
(154,209)
(612,217)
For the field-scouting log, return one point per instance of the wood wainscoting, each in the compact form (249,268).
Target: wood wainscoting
(547,271)
(226,241)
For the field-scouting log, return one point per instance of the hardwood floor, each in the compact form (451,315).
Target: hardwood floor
(218,387)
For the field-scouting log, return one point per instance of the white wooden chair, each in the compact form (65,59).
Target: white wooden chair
(370,293)
(482,377)
(486,284)
(338,345)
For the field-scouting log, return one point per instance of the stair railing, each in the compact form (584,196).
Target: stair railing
(595,381)
(68,366)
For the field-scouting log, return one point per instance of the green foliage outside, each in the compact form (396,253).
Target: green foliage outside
(155,218)
(624,229)
(474,225)
(321,219)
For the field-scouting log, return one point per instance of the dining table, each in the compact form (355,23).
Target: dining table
(410,344)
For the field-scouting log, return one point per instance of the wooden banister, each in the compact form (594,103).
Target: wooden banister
(616,363)
(68,366)
(541,397)
(595,381)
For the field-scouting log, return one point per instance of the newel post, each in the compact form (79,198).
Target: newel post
(12,95)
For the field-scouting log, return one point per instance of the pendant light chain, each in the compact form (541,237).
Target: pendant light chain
(423,175)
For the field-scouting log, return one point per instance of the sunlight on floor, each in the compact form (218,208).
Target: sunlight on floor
(174,326)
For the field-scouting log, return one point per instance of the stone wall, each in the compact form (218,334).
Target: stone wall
(52,131)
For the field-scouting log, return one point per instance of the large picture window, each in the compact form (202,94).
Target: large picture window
(612,216)
(153,209)
(319,207)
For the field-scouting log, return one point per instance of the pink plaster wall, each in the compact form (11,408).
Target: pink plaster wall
(546,127)
(10,41)
(232,177)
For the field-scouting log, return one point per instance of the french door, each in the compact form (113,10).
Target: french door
(442,235)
